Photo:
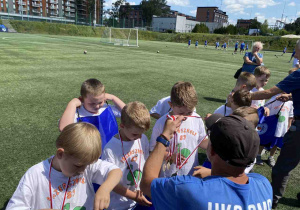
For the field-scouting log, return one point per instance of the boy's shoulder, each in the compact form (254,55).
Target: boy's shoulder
(113,143)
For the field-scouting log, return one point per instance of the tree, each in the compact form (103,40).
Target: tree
(154,7)
(200,28)
(264,28)
(255,24)
(231,29)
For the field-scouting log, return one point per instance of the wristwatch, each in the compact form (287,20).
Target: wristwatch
(163,140)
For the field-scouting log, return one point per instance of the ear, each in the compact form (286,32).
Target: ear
(60,153)
(122,125)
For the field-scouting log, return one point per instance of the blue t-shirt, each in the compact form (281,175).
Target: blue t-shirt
(190,42)
(291,84)
(214,192)
(225,45)
(247,47)
(242,46)
(196,43)
(248,67)
(284,50)
(205,42)
(236,45)
(294,52)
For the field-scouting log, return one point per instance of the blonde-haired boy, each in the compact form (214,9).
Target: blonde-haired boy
(188,137)
(64,181)
(129,150)
(262,75)
(92,102)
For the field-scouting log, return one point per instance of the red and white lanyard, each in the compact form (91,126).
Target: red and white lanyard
(136,182)
(50,190)
(174,143)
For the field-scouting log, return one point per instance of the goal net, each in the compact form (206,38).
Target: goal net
(120,36)
(231,43)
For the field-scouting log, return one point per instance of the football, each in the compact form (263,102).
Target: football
(85,52)
(157,51)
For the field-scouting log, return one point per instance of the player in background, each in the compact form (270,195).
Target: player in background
(205,43)
(217,45)
(189,43)
(196,44)
(236,47)
(225,46)
(247,47)
(283,52)
(242,48)
(292,55)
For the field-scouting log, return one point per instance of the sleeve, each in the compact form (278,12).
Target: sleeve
(146,147)
(100,170)
(291,113)
(22,198)
(290,83)
(156,131)
(247,54)
(163,193)
(157,108)
(115,110)
(220,110)
(202,132)
(108,155)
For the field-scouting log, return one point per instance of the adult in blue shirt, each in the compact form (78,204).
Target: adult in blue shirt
(253,59)
(232,146)
(236,47)
(290,152)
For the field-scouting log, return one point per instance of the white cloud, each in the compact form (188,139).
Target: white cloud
(238,6)
(132,3)
(298,14)
(193,12)
(108,3)
(292,4)
(233,22)
(178,2)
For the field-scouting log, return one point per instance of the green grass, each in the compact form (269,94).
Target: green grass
(41,73)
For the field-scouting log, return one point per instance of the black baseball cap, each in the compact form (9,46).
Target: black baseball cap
(212,119)
(235,140)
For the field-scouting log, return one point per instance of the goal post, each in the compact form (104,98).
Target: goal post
(120,36)
(231,43)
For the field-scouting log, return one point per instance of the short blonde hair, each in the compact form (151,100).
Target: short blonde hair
(81,141)
(247,79)
(257,44)
(262,70)
(93,87)
(184,94)
(135,114)
(249,113)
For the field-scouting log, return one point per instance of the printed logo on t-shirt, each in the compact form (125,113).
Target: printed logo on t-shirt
(137,176)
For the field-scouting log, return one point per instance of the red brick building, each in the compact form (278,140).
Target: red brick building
(211,14)
(244,23)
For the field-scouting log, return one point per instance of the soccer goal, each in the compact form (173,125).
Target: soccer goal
(121,36)
(231,43)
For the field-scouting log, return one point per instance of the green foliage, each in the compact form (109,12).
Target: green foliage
(231,29)
(264,28)
(200,28)
(0,22)
(255,24)
(153,7)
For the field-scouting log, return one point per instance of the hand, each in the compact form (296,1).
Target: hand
(76,102)
(102,199)
(255,53)
(109,97)
(201,172)
(284,97)
(176,155)
(171,126)
(140,199)
(267,111)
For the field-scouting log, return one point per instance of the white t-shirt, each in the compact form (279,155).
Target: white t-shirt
(133,150)
(257,103)
(33,189)
(84,113)
(296,61)
(162,107)
(189,135)
(223,110)
(285,113)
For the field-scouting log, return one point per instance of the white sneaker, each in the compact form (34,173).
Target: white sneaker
(271,161)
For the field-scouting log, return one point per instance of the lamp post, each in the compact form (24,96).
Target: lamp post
(95,16)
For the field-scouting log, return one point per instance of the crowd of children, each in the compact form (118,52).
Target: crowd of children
(66,180)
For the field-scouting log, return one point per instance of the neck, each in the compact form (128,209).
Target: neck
(90,111)
(55,164)
(123,136)
(235,175)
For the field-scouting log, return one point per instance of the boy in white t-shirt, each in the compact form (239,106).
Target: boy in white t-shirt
(129,150)
(64,181)
(90,103)
(262,75)
(161,108)
(188,137)
(238,99)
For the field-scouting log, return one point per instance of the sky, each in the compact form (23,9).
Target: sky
(271,10)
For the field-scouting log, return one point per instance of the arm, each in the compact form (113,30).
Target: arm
(201,172)
(155,115)
(136,196)
(69,113)
(248,61)
(258,59)
(155,160)
(102,196)
(117,102)
(266,94)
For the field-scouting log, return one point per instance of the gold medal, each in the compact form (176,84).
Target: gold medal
(164,167)
(168,165)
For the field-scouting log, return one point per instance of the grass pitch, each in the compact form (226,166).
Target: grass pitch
(40,74)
